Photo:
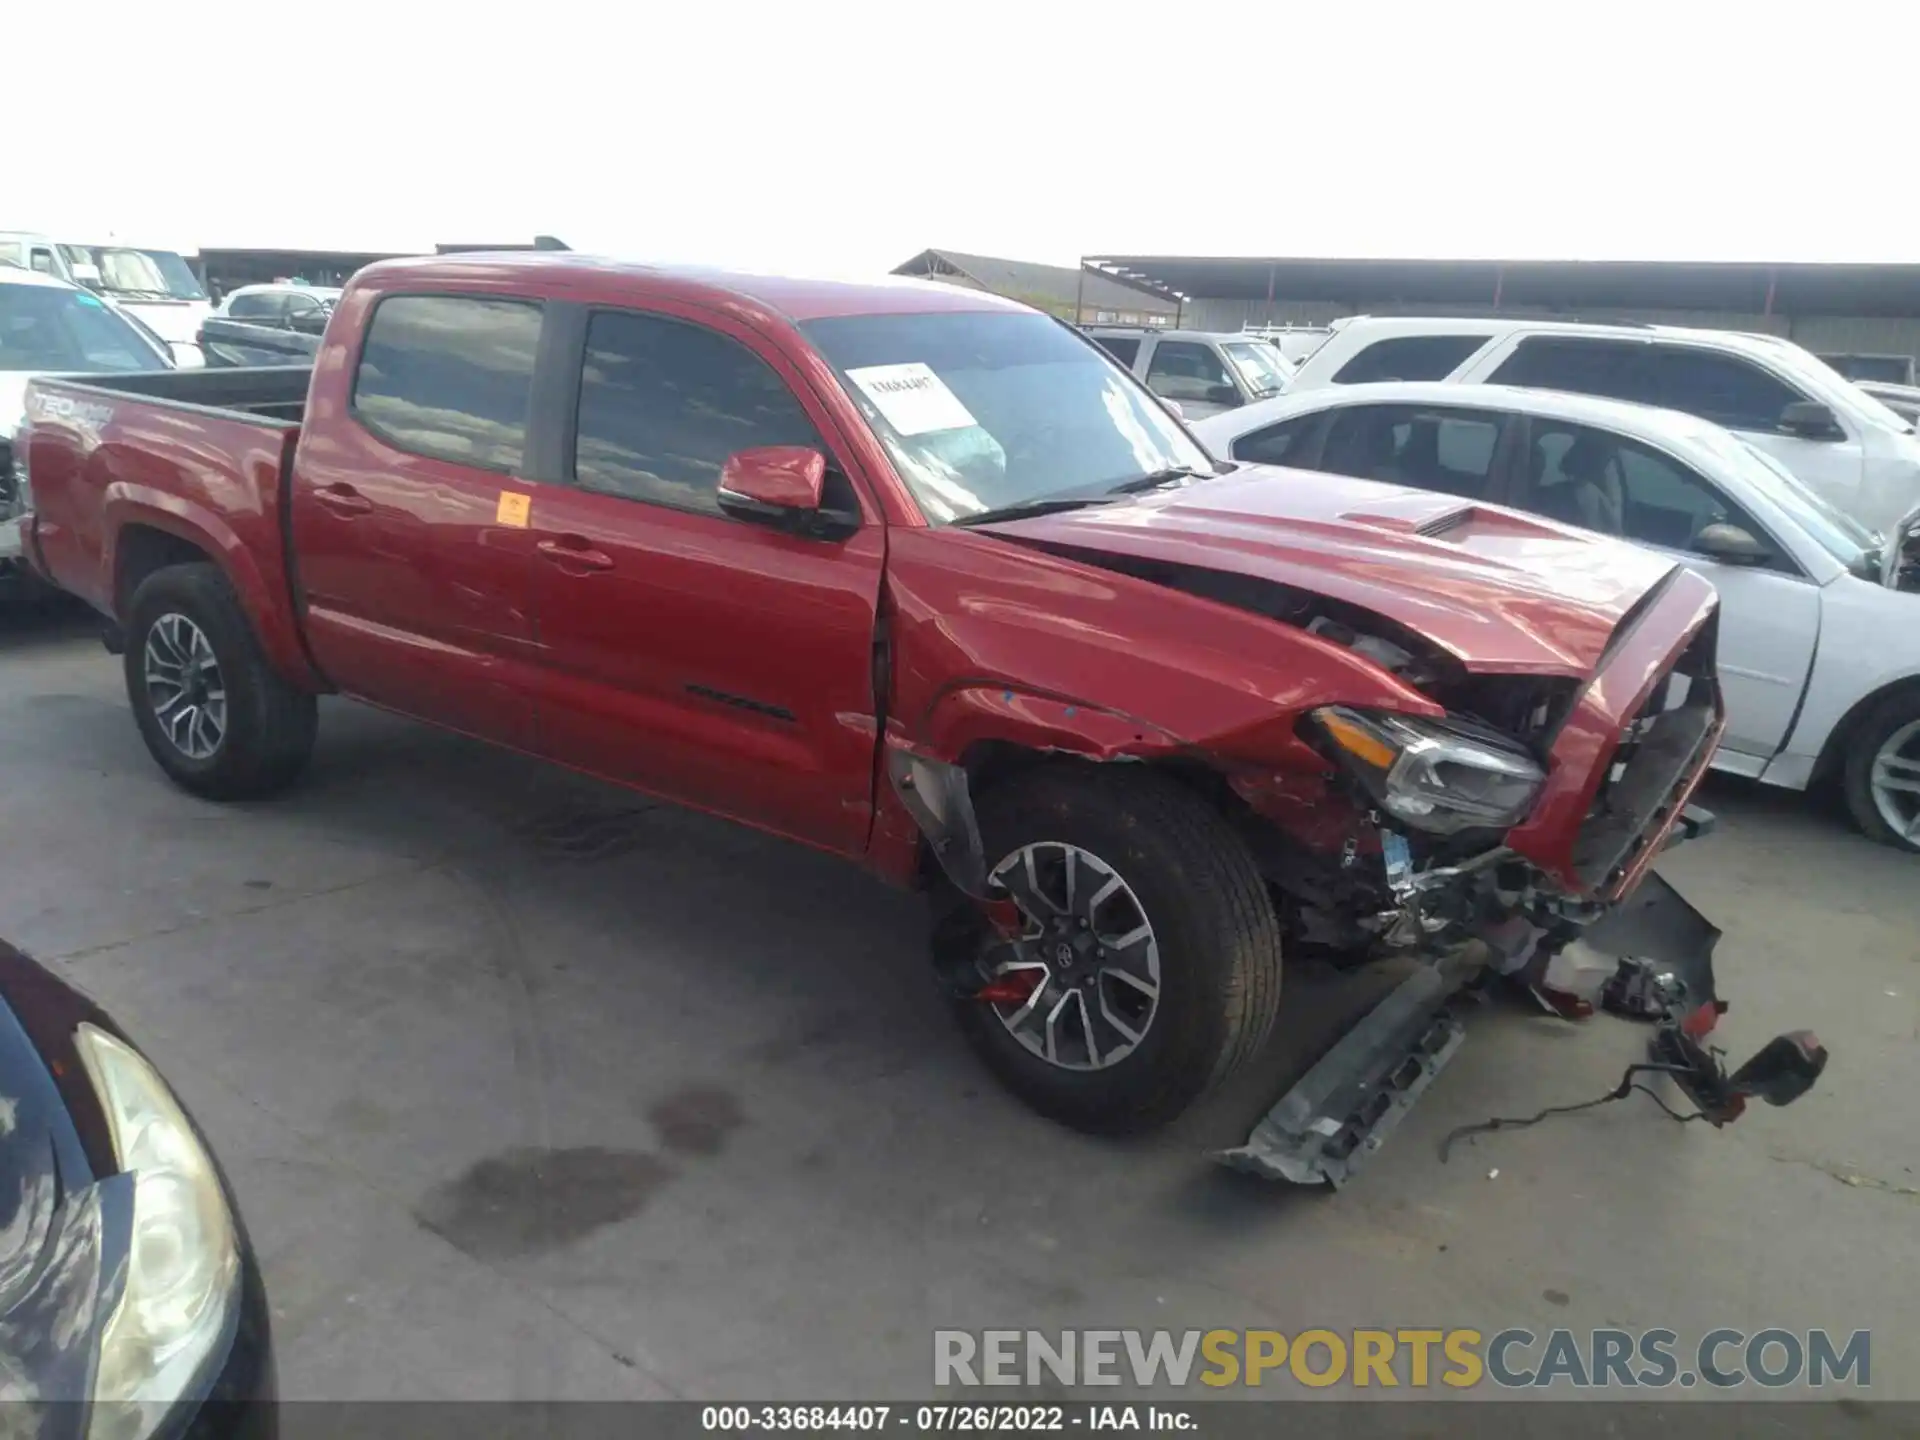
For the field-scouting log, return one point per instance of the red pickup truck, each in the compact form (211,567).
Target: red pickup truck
(919,576)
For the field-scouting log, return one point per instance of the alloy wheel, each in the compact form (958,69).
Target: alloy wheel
(185,687)
(1088,953)
(1896,782)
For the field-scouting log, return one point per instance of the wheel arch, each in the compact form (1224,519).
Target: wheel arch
(1833,752)
(144,539)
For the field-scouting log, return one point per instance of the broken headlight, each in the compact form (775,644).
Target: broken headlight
(1432,776)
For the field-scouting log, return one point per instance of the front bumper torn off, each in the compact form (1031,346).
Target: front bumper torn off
(1339,1114)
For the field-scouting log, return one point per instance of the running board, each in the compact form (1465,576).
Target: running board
(1342,1110)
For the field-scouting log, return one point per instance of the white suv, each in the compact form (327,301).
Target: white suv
(1201,372)
(1840,441)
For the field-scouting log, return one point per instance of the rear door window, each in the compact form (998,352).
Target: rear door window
(1729,390)
(450,377)
(1408,357)
(1581,367)
(1124,348)
(1429,448)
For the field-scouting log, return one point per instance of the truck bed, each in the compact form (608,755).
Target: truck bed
(136,470)
(268,392)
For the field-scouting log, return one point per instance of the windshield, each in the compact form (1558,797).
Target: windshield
(46,327)
(1836,532)
(1260,365)
(134,274)
(981,411)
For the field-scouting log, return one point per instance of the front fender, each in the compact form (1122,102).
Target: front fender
(1869,642)
(970,714)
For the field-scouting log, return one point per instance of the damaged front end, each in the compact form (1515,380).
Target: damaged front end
(1486,850)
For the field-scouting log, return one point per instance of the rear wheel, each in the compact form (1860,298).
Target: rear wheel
(1148,967)
(1882,777)
(214,714)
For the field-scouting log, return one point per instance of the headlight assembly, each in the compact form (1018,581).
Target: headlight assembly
(1430,776)
(183,1261)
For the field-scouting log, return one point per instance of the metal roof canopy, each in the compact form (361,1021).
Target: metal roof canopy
(1743,288)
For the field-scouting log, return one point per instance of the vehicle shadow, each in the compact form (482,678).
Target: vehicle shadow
(42,621)
(629,865)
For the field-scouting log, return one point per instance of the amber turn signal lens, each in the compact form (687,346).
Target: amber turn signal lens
(1357,742)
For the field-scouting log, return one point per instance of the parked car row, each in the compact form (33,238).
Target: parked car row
(154,286)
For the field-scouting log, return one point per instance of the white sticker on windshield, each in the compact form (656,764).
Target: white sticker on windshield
(913,399)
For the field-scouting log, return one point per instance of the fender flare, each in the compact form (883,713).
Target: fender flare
(969,713)
(930,779)
(124,505)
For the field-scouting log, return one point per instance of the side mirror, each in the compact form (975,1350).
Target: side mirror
(1810,420)
(778,485)
(1224,395)
(1731,545)
(87,274)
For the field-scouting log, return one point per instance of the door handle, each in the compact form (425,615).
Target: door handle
(574,550)
(343,500)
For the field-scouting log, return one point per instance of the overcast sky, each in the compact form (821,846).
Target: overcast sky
(844,137)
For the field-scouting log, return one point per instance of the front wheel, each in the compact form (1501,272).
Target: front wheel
(1148,969)
(1882,776)
(216,716)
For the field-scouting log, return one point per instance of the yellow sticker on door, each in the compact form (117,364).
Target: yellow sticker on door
(514,509)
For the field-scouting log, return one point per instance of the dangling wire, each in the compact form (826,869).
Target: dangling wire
(1625,1088)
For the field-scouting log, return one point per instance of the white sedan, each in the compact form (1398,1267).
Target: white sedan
(1819,647)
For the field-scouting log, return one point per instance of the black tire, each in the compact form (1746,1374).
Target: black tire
(1864,743)
(1218,937)
(270,725)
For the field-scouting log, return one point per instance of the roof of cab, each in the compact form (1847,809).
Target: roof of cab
(792,297)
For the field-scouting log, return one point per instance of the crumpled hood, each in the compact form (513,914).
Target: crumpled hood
(1502,591)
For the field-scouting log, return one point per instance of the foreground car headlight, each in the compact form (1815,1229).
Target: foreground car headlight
(183,1261)
(1430,776)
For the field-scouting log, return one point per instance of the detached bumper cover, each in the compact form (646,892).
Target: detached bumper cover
(1341,1111)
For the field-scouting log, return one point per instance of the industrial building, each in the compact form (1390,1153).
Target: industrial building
(1085,296)
(1850,309)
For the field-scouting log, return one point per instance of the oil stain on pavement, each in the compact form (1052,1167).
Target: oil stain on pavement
(530,1200)
(533,1199)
